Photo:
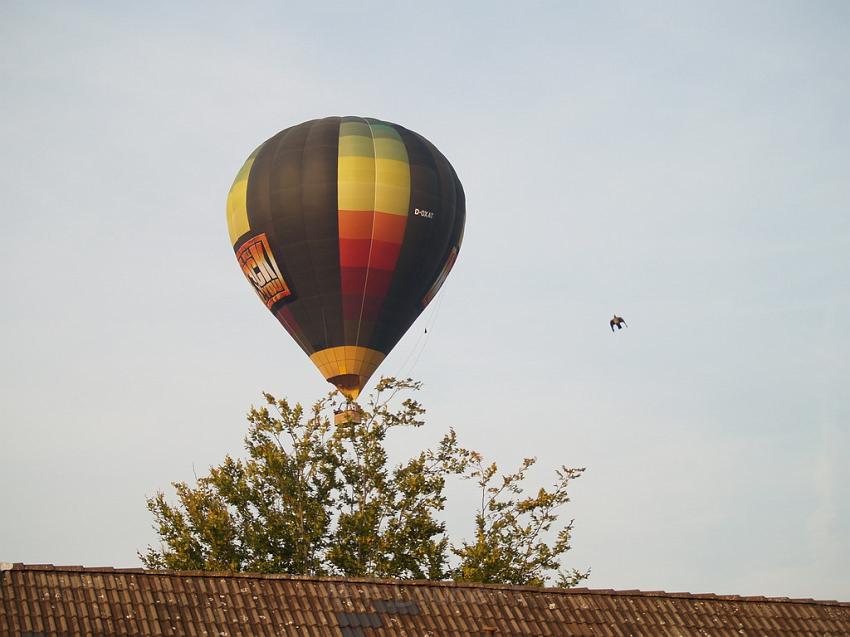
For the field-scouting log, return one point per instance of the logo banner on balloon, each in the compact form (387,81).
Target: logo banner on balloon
(259,266)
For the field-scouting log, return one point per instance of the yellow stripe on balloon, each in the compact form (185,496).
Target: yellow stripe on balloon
(356,183)
(237,209)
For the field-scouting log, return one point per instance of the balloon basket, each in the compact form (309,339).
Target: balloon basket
(350,413)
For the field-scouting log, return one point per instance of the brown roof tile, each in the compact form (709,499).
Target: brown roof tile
(69,601)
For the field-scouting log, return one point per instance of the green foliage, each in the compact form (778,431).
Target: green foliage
(317,498)
(509,546)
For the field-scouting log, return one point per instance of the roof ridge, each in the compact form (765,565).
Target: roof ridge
(19,566)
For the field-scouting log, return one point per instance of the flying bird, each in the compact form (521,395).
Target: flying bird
(618,321)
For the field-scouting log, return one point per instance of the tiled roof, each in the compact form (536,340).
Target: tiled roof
(46,600)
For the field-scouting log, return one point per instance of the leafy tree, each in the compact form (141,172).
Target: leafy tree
(509,544)
(317,498)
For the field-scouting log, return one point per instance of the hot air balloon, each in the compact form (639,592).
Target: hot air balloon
(346,227)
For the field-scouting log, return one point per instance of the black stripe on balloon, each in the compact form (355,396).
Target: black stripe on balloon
(303,207)
(452,194)
(460,219)
(320,216)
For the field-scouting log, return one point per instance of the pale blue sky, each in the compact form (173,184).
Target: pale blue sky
(685,165)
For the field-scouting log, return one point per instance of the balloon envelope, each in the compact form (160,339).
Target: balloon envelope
(346,227)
